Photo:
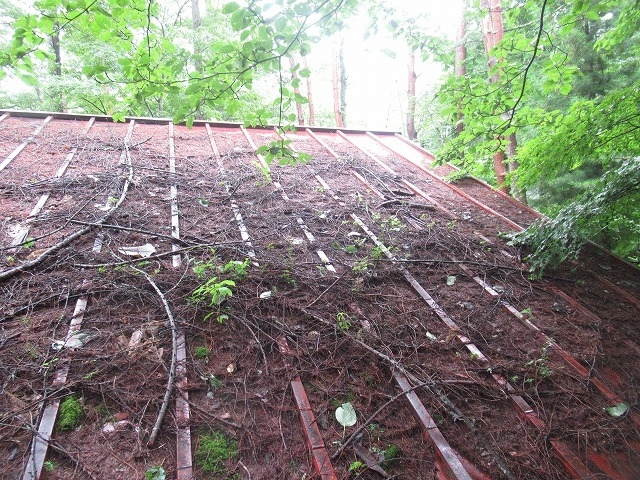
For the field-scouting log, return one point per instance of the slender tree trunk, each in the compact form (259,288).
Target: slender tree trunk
(56,68)
(336,93)
(493,31)
(312,113)
(296,90)
(342,70)
(197,21)
(411,98)
(461,59)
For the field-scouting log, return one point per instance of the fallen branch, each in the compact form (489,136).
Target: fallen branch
(59,448)
(327,289)
(174,353)
(42,257)
(351,437)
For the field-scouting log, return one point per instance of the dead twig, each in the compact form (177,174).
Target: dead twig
(42,257)
(351,437)
(326,290)
(174,354)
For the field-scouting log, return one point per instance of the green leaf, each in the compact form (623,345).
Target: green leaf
(451,279)
(155,473)
(618,410)
(346,415)
(304,73)
(230,7)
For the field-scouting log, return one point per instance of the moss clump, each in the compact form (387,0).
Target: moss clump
(214,450)
(391,455)
(202,352)
(71,413)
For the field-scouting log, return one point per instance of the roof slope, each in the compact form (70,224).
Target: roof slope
(358,278)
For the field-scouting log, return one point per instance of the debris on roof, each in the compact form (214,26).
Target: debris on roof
(356,313)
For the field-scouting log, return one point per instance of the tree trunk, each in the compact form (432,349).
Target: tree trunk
(197,21)
(312,113)
(411,98)
(56,68)
(493,31)
(336,93)
(343,82)
(461,68)
(296,90)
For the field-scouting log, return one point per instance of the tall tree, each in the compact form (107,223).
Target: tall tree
(295,82)
(312,112)
(461,59)
(337,110)
(411,96)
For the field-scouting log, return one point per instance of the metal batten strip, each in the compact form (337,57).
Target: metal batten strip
(24,231)
(319,455)
(430,432)
(4,117)
(390,170)
(175,221)
(448,185)
(305,229)
(244,233)
(40,442)
(521,406)
(22,146)
(184,460)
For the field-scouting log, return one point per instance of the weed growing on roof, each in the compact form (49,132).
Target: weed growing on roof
(357,467)
(71,413)
(541,364)
(216,289)
(49,465)
(155,473)
(391,455)
(214,450)
(344,320)
(201,352)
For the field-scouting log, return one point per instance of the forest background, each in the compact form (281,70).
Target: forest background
(541,98)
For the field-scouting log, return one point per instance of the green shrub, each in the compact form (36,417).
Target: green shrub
(214,450)
(70,414)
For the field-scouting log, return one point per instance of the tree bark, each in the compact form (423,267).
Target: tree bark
(197,21)
(296,90)
(461,59)
(342,70)
(411,98)
(493,31)
(336,93)
(312,113)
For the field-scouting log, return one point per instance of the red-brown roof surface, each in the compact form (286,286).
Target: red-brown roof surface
(369,280)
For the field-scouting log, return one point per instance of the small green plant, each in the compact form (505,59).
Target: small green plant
(361,266)
(215,292)
(391,455)
(90,375)
(526,311)
(155,473)
(70,413)
(102,270)
(201,352)
(541,364)
(29,243)
(236,269)
(214,450)
(357,467)
(376,253)
(344,320)
(392,224)
(49,465)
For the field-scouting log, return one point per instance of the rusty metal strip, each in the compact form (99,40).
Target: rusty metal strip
(410,185)
(448,460)
(244,233)
(184,459)
(4,116)
(457,190)
(432,157)
(40,442)
(521,406)
(303,226)
(319,455)
(22,146)
(22,234)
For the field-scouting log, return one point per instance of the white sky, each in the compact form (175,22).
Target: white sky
(377,83)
